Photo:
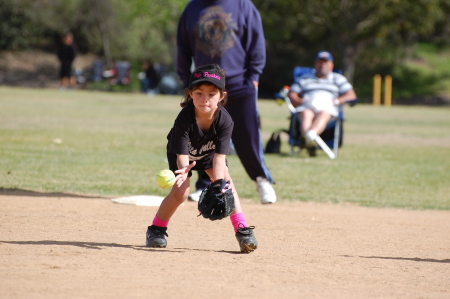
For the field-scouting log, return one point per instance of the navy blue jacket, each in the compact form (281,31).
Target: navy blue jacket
(226,32)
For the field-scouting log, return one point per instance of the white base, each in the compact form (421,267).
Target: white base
(140,200)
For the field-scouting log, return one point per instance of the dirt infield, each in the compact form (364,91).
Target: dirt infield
(61,246)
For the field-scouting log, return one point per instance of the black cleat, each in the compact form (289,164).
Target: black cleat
(246,239)
(155,236)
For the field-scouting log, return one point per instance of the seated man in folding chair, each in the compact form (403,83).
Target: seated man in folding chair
(317,96)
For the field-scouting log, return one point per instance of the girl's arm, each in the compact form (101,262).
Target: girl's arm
(183,169)
(219,166)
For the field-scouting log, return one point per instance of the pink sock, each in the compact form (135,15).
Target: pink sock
(159,222)
(238,220)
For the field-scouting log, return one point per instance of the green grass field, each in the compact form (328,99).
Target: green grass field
(113,144)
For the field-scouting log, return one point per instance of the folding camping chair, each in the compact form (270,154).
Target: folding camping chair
(97,71)
(169,84)
(331,139)
(119,75)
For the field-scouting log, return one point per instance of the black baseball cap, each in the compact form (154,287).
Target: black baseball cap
(207,75)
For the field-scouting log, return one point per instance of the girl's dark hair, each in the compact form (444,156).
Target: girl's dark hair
(216,68)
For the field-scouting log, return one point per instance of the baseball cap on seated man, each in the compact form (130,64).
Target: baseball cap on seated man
(324,55)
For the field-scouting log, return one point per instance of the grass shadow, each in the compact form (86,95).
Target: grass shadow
(20,192)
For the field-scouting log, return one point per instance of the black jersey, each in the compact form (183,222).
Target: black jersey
(186,138)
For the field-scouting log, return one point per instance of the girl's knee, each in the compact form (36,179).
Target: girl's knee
(175,200)
(179,196)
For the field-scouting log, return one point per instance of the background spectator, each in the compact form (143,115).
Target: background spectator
(151,78)
(66,55)
(316,97)
(230,33)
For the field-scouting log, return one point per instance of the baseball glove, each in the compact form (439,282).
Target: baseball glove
(216,201)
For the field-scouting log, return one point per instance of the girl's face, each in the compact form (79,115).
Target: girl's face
(206,98)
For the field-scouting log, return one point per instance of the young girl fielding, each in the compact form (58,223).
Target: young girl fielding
(200,140)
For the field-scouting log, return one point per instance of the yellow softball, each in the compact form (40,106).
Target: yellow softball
(165,178)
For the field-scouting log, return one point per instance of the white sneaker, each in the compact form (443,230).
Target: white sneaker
(195,196)
(265,190)
(311,135)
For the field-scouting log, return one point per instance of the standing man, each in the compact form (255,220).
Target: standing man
(66,56)
(230,33)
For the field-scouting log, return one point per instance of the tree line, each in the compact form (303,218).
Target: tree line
(365,37)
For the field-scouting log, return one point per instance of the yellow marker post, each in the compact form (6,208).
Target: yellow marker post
(376,90)
(388,90)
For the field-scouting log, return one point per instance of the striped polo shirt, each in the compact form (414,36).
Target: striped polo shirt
(334,83)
